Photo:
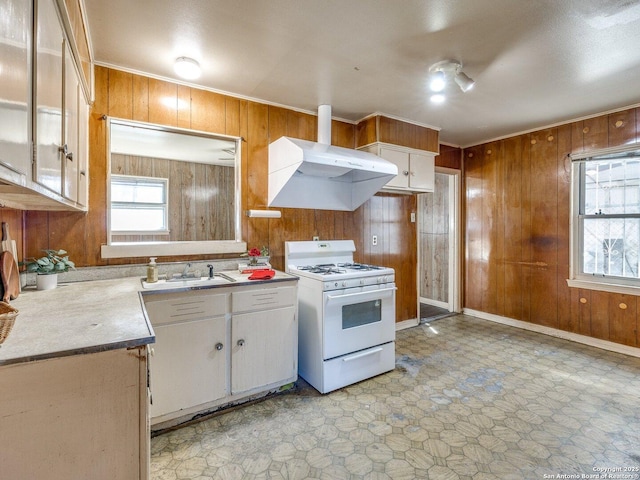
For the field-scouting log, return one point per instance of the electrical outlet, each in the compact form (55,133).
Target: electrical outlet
(316,238)
(413,217)
(374,240)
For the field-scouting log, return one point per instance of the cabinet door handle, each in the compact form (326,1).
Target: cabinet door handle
(69,156)
(219,346)
(241,342)
(405,173)
(64,149)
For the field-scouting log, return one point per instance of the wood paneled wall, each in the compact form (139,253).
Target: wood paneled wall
(15,222)
(129,96)
(517,209)
(390,130)
(201,197)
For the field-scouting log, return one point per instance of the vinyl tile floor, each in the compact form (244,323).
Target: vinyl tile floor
(468,399)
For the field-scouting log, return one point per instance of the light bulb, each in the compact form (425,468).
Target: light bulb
(437,83)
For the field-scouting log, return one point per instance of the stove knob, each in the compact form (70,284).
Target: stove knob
(344,284)
(382,279)
(335,284)
(362,282)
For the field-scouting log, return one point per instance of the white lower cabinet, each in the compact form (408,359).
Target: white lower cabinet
(263,350)
(193,371)
(219,347)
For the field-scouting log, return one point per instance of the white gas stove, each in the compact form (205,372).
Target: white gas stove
(346,314)
(337,270)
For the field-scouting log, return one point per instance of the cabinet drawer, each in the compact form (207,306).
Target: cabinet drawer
(185,308)
(263,298)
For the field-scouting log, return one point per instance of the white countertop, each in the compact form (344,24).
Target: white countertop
(86,317)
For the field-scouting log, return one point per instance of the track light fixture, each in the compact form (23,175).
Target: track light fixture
(464,81)
(446,69)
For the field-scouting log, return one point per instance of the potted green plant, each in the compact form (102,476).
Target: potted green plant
(48,267)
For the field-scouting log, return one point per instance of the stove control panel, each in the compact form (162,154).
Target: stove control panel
(357,282)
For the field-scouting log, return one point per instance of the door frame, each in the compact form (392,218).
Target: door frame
(455,275)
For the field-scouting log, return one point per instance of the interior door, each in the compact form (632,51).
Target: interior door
(438,244)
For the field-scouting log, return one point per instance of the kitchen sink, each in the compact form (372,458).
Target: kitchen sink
(182,282)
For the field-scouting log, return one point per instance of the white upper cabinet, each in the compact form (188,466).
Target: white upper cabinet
(15,94)
(70,128)
(44,113)
(416,168)
(83,150)
(49,74)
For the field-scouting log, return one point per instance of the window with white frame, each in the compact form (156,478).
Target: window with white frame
(606,221)
(139,205)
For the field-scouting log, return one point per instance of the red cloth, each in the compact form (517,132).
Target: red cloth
(262,274)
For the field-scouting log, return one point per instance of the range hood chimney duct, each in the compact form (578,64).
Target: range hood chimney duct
(324,124)
(305,174)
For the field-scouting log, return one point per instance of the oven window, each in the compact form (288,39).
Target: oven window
(358,314)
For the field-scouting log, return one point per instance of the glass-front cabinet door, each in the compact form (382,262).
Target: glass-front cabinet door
(15,92)
(49,71)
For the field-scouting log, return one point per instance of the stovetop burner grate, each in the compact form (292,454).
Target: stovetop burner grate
(324,269)
(359,266)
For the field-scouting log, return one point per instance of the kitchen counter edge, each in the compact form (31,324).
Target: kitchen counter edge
(94,316)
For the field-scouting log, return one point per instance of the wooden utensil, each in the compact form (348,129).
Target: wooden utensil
(9,245)
(9,276)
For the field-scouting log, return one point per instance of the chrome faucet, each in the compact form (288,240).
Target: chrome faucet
(185,272)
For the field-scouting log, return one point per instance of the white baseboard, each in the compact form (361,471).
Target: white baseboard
(554,332)
(403,325)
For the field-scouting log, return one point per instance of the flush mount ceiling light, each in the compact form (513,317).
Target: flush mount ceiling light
(187,68)
(446,69)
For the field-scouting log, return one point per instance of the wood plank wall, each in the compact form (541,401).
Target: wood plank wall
(390,130)
(129,96)
(517,204)
(201,196)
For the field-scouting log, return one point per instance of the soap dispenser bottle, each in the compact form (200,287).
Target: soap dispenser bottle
(152,271)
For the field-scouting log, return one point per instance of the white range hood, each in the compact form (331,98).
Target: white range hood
(305,174)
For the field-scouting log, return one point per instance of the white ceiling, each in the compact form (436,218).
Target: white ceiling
(535,62)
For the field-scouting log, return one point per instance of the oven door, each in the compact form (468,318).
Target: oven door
(358,318)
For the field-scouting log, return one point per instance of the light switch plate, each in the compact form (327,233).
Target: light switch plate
(374,240)
(413,217)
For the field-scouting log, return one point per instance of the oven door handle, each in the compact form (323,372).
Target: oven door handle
(369,292)
(360,355)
